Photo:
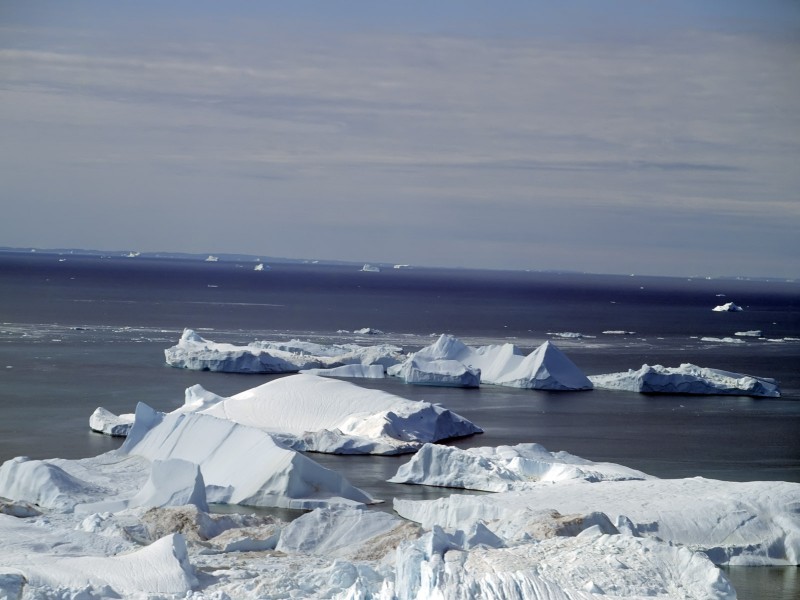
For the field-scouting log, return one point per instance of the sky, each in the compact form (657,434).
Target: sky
(654,137)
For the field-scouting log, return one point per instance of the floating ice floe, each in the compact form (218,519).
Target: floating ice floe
(753,523)
(687,379)
(727,307)
(753,333)
(546,368)
(618,332)
(197,353)
(504,468)
(724,340)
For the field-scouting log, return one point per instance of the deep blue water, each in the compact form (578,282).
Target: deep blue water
(84,332)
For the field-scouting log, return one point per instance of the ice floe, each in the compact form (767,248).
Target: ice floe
(752,333)
(687,379)
(504,468)
(728,307)
(546,368)
(723,340)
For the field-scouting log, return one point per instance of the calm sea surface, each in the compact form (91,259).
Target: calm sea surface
(81,332)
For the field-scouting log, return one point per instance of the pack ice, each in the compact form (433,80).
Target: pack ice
(687,379)
(451,362)
(199,354)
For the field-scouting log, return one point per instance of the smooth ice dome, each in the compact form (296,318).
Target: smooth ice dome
(727,307)
(504,468)
(328,415)
(546,368)
(687,379)
(197,353)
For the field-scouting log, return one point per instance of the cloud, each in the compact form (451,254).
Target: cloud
(469,133)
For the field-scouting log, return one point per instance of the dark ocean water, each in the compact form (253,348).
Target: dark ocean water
(81,332)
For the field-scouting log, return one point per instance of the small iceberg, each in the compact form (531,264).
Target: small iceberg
(350,371)
(212,258)
(261,267)
(727,307)
(368,268)
(753,333)
(687,379)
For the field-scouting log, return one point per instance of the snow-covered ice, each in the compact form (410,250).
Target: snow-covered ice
(752,523)
(368,268)
(723,340)
(353,371)
(727,307)
(751,333)
(687,379)
(504,468)
(197,353)
(318,414)
(437,372)
(546,368)
(104,421)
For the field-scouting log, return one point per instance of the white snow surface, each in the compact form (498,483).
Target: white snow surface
(351,371)
(104,421)
(752,523)
(546,368)
(503,468)
(319,414)
(197,353)
(687,379)
(239,464)
(728,307)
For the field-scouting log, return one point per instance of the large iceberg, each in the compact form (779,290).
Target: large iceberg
(239,464)
(326,415)
(753,523)
(504,468)
(546,368)
(687,379)
(177,459)
(197,353)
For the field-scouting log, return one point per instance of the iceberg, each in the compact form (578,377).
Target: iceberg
(239,464)
(504,468)
(261,267)
(212,258)
(317,414)
(358,371)
(104,421)
(438,372)
(197,353)
(727,307)
(687,379)
(582,567)
(368,268)
(752,523)
(751,333)
(546,368)
(724,340)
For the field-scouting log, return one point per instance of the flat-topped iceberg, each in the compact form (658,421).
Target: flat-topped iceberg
(687,379)
(546,368)
(754,523)
(104,421)
(437,372)
(197,353)
(327,415)
(504,468)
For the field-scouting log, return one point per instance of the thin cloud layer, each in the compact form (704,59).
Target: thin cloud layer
(524,152)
